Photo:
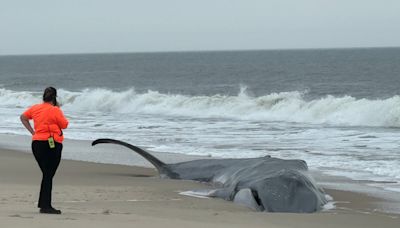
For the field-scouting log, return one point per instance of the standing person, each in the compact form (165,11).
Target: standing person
(47,138)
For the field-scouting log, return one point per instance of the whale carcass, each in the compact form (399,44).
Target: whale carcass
(264,183)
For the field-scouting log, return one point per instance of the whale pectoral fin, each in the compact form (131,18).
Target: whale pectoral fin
(248,198)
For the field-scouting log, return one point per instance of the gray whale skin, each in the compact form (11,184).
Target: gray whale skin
(264,183)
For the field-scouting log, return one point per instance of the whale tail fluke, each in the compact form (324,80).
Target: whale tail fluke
(162,168)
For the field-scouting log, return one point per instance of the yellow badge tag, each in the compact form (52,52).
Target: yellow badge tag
(51,142)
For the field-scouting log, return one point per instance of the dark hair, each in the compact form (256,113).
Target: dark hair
(49,95)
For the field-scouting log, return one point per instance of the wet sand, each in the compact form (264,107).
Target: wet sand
(103,195)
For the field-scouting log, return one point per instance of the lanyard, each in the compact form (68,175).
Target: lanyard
(51,134)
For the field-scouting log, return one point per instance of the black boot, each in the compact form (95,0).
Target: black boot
(50,210)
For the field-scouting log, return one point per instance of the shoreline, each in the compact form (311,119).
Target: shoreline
(383,201)
(101,195)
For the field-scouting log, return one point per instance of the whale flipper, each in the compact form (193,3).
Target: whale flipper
(162,168)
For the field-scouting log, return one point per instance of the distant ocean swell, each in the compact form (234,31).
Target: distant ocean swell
(283,106)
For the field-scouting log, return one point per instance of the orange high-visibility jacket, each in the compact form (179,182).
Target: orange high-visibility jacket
(48,121)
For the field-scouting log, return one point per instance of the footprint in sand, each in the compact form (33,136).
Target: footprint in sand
(68,219)
(19,216)
(106,212)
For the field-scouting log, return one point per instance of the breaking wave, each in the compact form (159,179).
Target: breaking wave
(283,106)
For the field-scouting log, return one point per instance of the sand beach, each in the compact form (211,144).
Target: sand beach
(104,195)
(259,85)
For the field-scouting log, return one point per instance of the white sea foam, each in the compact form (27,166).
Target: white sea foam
(9,98)
(284,106)
(329,206)
(330,133)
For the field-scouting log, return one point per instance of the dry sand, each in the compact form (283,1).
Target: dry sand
(100,195)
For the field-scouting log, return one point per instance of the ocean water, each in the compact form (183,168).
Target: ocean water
(337,109)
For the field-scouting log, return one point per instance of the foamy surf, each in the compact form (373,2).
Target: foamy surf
(284,106)
(356,138)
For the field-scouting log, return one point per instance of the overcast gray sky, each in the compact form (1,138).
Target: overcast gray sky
(87,26)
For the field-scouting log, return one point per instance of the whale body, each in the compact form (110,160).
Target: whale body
(263,184)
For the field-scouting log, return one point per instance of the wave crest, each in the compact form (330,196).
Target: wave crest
(283,106)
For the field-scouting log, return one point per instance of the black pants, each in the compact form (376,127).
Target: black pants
(48,160)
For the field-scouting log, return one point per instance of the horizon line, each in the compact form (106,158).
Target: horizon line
(199,51)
